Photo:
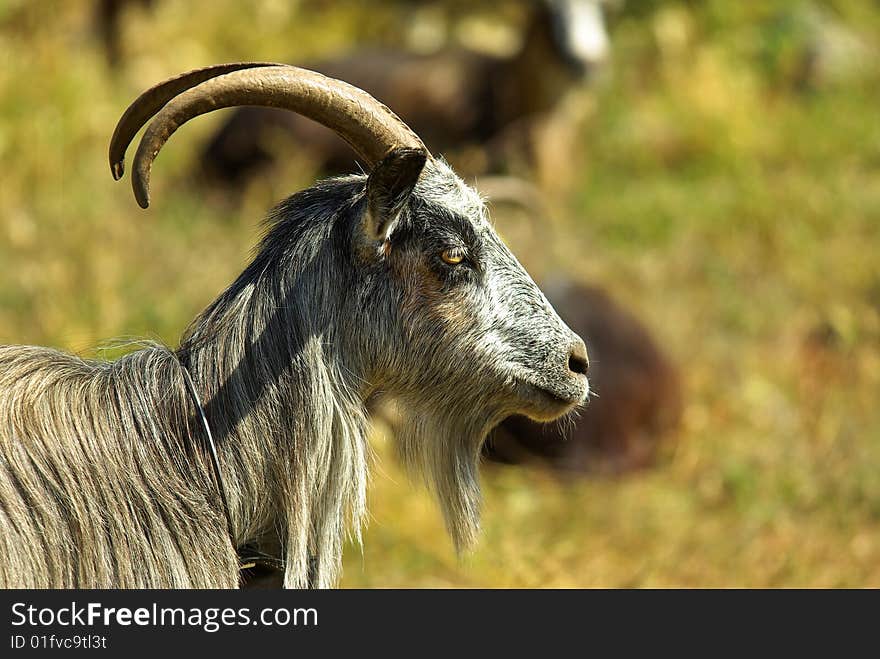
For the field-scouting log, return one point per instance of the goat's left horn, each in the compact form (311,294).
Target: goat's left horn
(366,124)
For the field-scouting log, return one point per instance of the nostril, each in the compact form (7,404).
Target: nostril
(578,361)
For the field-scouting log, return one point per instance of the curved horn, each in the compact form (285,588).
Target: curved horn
(152,100)
(366,124)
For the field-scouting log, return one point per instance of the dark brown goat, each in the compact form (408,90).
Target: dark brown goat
(638,399)
(453,98)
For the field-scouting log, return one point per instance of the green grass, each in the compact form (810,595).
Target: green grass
(737,211)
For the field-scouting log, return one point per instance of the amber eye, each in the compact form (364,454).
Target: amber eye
(452,256)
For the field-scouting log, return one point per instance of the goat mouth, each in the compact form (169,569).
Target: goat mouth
(559,399)
(545,404)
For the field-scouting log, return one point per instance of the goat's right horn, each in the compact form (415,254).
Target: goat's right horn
(154,99)
(367,125)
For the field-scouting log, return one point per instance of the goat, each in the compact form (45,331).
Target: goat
(392,282)
(637,402)
(453,98)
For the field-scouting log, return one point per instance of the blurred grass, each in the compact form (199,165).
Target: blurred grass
(733,204)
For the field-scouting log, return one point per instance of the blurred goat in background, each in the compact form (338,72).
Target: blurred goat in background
(455,97)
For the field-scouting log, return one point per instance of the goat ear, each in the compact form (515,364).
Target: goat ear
(389,187)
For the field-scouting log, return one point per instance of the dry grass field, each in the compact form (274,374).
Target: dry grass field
(726,187)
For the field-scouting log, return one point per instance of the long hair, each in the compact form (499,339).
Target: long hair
(104,476)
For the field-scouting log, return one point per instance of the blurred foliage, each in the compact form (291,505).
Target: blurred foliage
(727,186)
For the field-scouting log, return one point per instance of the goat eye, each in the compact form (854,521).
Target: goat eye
(452,256)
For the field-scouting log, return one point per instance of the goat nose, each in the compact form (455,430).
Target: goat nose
(578,361)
